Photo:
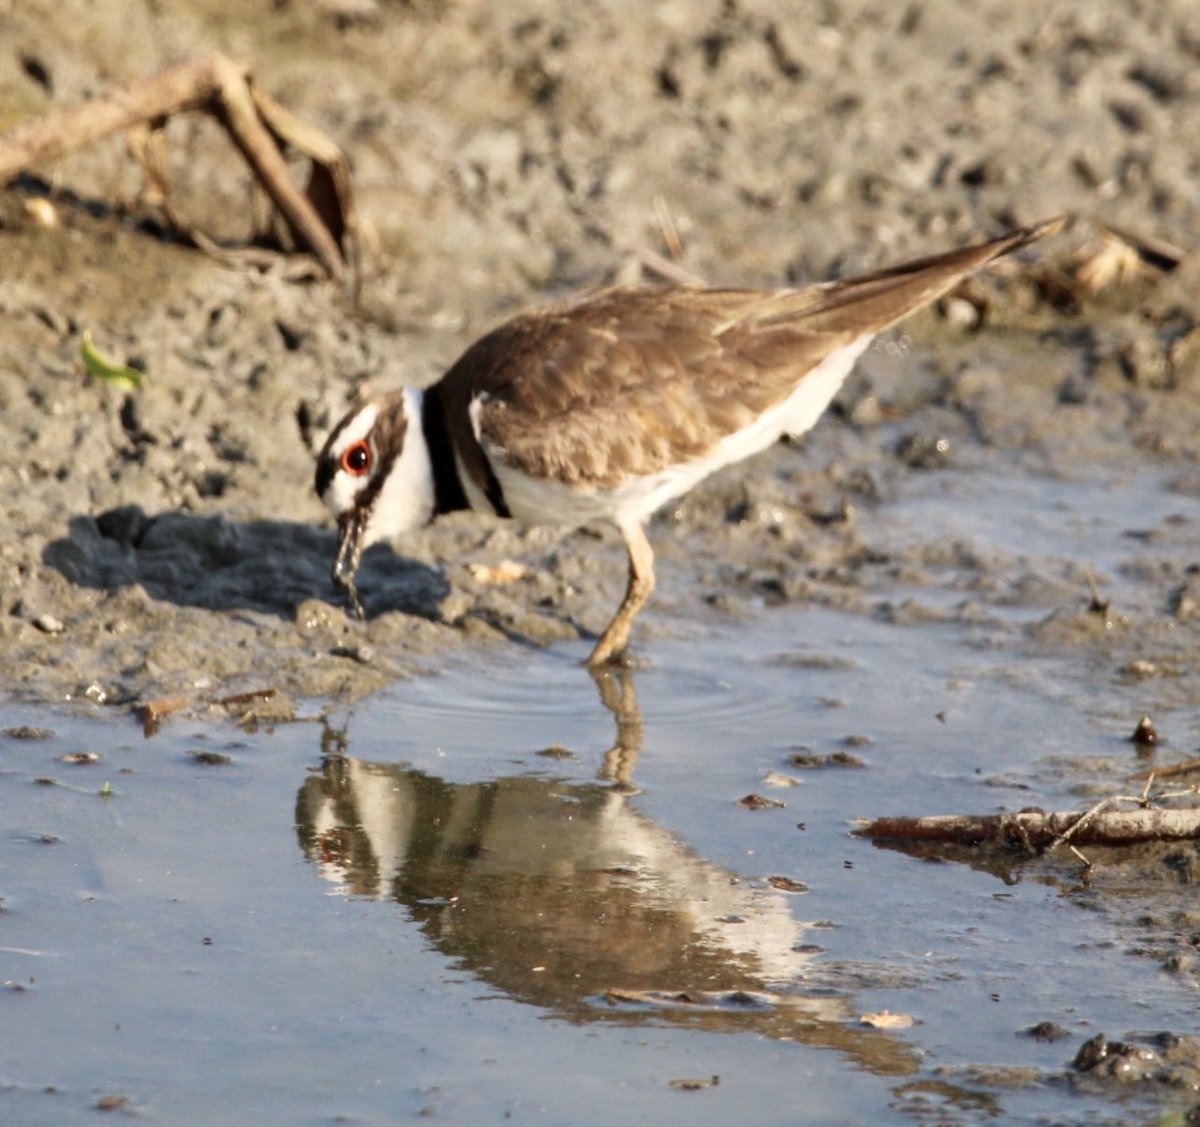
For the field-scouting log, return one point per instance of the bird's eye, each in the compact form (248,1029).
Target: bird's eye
(356,458)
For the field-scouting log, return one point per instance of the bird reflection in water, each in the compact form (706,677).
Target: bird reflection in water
(619,697)
(564,895)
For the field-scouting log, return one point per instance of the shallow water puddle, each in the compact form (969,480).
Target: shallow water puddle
(1096,516)
(458,916)
(509,891)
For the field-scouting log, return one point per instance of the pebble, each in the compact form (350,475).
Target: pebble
(962,314)
(42,212)
(48,624)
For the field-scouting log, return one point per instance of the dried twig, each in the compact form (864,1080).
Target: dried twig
(1172,770)
(651,262)
(1038,830)
(319,219)
(667,230)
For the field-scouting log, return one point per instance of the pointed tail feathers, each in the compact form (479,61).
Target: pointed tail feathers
(872,302)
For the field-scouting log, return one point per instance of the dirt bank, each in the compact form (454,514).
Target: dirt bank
(170,543)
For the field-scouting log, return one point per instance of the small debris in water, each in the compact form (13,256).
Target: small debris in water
(1046,1031)
(685,1085)
(211,758)
(787,884)
(556,751)
(758,802)
(25,732)
(886,1020)
(155,711)
(836,759)
(1145,734)
(80,757)
(112,1103)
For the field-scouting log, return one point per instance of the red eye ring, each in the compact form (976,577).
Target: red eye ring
(356,458)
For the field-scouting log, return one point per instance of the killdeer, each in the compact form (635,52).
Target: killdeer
(608,405)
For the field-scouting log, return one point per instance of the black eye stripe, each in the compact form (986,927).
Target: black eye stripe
(324,476)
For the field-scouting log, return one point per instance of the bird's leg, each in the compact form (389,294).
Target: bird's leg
(641,584)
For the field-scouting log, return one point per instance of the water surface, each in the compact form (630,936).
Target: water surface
(507,891)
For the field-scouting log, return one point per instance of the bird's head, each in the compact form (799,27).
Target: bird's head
(374,475)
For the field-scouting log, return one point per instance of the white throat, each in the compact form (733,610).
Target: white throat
(406,498)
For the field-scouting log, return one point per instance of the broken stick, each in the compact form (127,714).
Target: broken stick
(214,84)
(1036,829)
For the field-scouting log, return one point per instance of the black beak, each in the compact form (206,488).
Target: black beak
(351,526)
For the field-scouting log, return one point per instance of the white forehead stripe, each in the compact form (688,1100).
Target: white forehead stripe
(356,429)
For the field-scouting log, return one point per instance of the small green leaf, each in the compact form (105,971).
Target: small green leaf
(103,368)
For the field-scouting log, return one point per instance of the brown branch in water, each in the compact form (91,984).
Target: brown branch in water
(1037,829)
(318,220)
(1173,770)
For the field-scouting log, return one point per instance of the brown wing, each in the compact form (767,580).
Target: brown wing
(633,380)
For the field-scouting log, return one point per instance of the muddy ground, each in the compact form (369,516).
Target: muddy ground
(169,542)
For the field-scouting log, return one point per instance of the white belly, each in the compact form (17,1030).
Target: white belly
(535,501)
